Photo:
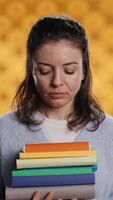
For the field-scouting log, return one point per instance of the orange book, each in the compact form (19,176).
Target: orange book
(49,147)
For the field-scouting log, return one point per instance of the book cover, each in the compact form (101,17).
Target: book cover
(54,162)
(56,154)
(53,180)
(66,146)
(54,171)
(60,192)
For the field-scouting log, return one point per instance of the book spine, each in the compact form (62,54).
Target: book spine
(56,154)
(64,192)
(67,146)
(55,162)
(54,171)
(53,180)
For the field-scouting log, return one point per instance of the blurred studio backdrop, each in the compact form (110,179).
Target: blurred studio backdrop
(16,19)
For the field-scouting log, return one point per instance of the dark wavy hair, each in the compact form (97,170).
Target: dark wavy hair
(27,99)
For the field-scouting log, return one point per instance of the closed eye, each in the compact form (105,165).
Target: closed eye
(69,72)
(44,72)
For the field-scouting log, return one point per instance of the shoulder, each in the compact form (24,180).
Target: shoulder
(8,123)
(107,122)
(8,117)
(105,129)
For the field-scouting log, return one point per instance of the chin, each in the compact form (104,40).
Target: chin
(57,104)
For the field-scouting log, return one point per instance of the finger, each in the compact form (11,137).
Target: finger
(49,196)
(74,199)
(36,196)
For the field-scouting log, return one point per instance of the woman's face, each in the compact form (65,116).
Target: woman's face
(58,73)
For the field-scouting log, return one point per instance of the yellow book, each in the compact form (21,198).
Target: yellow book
(57,154)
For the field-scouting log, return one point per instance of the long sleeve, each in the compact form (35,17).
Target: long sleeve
(2,187)
(13,135)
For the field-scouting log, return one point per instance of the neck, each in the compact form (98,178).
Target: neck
(55,113)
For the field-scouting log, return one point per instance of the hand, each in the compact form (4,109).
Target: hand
(49,196)
(37,196)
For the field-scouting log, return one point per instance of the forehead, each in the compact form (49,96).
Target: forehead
(58,49)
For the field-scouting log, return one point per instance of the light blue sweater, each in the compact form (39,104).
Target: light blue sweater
(13,135)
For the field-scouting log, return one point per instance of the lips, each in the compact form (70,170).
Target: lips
(57,95)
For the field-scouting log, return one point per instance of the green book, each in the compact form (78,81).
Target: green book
(54,171)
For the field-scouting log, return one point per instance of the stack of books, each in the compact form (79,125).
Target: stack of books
(67,169)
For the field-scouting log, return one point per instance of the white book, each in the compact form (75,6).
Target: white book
(60,192)
(52,162)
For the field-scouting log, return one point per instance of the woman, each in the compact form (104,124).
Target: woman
(56,95)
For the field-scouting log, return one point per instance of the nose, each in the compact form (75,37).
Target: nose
(57,79)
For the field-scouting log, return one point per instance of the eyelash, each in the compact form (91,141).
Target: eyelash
(69,72)
(45,73)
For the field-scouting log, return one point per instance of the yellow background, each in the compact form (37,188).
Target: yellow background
(16,19)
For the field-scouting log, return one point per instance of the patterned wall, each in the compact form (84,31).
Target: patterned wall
(16,18)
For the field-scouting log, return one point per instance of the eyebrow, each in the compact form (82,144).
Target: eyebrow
(65,64)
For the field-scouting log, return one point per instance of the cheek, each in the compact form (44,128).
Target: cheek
(75,84)
(41,85)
